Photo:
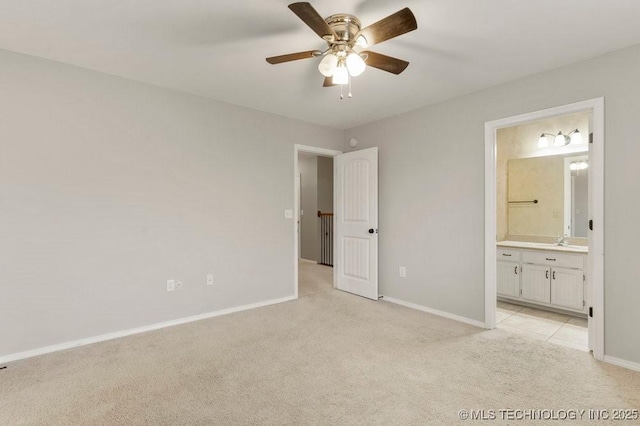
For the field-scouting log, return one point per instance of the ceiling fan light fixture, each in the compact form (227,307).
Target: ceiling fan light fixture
(361,41)
(341,75)
(355,64)
(327,66)
(347,39)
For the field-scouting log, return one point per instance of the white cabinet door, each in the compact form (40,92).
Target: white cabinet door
(536,283)
(567,288)
(508,279)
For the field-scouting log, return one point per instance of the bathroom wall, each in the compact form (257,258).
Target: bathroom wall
(541,179)
(522,142)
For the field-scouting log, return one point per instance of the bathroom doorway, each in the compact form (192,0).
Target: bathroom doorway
(544,236)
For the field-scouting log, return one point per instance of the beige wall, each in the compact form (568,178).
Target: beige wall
(542,179)
(522,142)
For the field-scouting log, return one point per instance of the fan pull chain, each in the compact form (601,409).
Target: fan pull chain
(341,95)
(350,95)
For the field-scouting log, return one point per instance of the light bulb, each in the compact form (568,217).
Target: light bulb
(327,65)
(543,142)
(559,140)
(355,64)
(583,165)
(341,75)
(573,166)
(576,137)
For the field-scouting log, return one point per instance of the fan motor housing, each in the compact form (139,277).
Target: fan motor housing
(345,26)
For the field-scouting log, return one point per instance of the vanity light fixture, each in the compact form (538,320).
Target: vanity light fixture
(574,137)
(578,165)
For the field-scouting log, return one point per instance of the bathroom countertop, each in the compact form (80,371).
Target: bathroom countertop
(544,246)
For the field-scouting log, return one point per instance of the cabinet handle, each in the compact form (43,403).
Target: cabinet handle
(547,275)
(515,270)
(505,254)
(554,275)
(553,260)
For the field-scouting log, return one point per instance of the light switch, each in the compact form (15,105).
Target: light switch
(288,214)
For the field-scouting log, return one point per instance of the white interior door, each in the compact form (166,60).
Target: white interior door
(356,233)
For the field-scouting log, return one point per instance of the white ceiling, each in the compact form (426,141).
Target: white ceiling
(216,48)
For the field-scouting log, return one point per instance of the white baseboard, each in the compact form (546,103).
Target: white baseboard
(435,312)
(622,363)
(109,336)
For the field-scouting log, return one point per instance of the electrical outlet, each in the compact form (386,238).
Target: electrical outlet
(402,271)
(210,279)
(171,285)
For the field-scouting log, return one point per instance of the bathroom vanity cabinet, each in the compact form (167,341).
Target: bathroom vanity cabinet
(545,277)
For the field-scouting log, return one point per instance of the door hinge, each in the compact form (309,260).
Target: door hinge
(584,277)
(591,311)
(590,137)
(521,292)
(583,303)
(591,225)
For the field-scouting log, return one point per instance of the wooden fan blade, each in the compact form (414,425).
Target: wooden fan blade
(385,63)
(392,26)
(312,18)
(293,57)
(328,82)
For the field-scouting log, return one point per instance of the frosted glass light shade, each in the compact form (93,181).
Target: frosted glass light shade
(576,137)
(341,75)
(543,142)
(559,140)
(355,64)
(328,64)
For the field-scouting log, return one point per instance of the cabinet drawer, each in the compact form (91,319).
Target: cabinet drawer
(508,255)
(550,258)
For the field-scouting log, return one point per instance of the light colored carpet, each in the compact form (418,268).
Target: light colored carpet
(327,358)
(314,278)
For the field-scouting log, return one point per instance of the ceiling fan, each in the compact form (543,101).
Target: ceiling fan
(346,55)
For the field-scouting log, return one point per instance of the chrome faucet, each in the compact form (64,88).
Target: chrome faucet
(561,240)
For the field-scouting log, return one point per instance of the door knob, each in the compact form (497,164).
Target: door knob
(371,230)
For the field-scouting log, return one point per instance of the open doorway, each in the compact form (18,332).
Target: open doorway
(544,274)
(542,240)
(314,219)
(315,224)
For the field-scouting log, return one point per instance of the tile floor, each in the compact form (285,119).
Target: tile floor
(551,327)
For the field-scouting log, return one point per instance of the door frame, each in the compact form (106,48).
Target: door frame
(321,152)
(595,258)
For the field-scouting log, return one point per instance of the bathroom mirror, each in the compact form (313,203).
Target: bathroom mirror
(547,196)
(576,193)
